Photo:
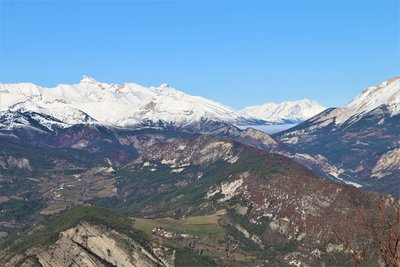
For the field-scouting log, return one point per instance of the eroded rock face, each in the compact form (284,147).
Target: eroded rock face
(260,136)
(89,245)
(12,162)
(200,151)
(388,163)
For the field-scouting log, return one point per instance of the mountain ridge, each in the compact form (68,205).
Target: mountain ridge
(127,104)
(360,139)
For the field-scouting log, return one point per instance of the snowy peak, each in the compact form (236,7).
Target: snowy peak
(112,104)
(294,111)
(385,93)
(87,80)
(165,86)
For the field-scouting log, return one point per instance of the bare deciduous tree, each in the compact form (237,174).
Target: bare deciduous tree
(381,235)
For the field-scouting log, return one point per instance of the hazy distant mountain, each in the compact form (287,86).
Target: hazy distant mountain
(285,112)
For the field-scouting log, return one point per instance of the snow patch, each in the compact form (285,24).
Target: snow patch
(178,170)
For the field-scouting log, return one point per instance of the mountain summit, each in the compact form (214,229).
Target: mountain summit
(385,93)
(87,79)
(295,111)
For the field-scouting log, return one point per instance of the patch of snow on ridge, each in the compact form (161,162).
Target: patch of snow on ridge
(178,170)
(324,165)
(336,175)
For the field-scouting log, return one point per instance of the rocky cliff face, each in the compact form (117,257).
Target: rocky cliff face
(11,162)
(91,245)
(388,164)
(87,245)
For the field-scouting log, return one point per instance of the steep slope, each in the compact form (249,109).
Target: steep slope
(285,112)
(248,136)
(85,236)
(361,139)
(112,104)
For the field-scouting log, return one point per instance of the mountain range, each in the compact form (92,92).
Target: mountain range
(330,143)
(188,188)
(131,104)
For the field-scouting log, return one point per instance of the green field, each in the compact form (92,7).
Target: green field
(212,237)
(200,226)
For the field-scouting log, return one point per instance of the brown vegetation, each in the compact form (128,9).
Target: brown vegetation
(382,236)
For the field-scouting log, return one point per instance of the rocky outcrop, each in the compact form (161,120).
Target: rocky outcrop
(249,136)
(388,163)
(200,151)
(87,245)
(12,162)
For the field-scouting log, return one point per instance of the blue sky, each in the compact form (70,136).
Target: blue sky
(238,53)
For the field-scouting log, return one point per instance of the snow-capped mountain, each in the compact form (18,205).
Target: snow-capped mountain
(385,93)
(291,111)
(360,139)
(384,96)
(113,104)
